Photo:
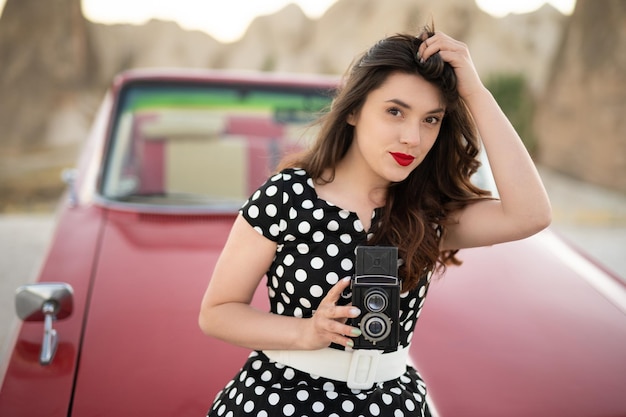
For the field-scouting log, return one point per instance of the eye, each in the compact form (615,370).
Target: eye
(433,120)
(394,111)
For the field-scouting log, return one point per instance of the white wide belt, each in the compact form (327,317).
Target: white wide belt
(360,368)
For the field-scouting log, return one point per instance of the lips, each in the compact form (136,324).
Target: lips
(402,158)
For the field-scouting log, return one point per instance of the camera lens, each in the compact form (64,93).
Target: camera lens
(375,326)
(375,300)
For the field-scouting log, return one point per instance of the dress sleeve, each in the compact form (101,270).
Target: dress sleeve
(264,209)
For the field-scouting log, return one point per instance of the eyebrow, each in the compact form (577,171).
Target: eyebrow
(408,106)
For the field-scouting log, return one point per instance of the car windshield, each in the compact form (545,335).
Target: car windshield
(202,145)
(209,146)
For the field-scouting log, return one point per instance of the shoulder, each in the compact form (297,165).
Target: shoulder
(268,209)
(292,175)
(278,189)
(291,180)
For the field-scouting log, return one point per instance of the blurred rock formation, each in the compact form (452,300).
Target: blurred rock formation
(45,64)
(55,65)
(581,117)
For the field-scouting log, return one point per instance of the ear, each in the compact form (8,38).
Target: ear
(351,119)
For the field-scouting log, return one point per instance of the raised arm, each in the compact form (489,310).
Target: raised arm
(524,208)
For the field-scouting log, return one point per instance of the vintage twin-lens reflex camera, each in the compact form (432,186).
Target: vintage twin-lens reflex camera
(376,291)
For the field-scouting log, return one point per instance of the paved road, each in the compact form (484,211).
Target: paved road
(591,218)
(23,242)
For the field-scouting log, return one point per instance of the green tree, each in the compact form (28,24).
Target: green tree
(512,93)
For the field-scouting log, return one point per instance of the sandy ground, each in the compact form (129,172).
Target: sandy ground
(591,218)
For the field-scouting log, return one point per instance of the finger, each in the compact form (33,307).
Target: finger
(334,293)
(343,334)
(342,313)
(332,318)
(342,341)
(439,42)
(346,312)
(338,325)
(430,47)
(337,314)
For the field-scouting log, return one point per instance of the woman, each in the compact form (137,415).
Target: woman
(391,167)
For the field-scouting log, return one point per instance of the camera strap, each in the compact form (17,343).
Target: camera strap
(359,369)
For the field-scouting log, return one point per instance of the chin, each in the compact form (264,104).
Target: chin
(398,175)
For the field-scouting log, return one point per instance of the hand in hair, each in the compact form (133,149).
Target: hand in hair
(456,54)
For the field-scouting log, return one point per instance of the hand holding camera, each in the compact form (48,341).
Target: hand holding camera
(376,292)
(372,320)
(329,322)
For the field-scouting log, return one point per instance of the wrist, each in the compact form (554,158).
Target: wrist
(299,339)
(477,97)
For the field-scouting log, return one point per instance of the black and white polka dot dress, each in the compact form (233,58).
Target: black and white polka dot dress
(316,248)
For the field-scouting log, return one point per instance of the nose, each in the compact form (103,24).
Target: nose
(411,136)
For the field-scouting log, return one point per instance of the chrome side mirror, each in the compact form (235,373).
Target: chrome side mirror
(47,302)
(69,178)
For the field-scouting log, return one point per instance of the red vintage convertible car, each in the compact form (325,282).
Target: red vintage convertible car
(530,328)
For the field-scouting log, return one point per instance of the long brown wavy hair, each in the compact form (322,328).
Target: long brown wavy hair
(416,210)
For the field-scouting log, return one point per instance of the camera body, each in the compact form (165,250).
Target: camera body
(376,292)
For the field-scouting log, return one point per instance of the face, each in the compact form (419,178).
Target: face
(396,127)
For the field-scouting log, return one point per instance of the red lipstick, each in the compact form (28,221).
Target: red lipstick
(402,158)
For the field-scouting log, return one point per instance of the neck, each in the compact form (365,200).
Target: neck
(360,183)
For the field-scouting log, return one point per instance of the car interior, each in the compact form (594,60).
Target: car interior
(203,152)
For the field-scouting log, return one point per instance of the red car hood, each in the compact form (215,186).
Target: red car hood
(527,328)
(143,352)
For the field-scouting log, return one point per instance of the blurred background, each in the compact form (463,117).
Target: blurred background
(557,69)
